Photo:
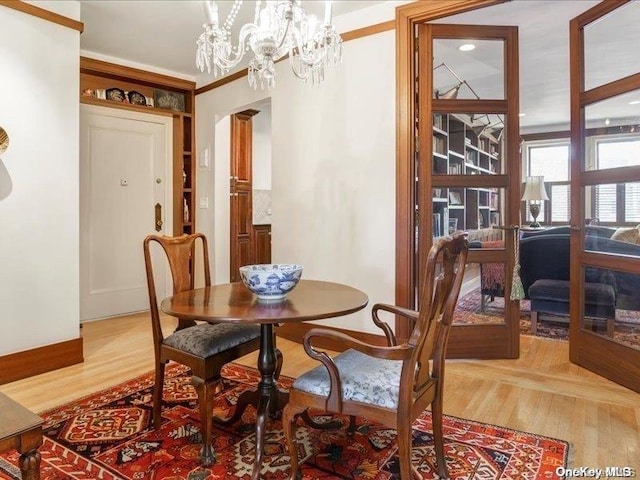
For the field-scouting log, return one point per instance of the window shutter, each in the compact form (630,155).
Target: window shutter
(606,202)
(632,202)
(560,203)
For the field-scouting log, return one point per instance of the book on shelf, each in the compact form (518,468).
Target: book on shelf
(438,121)
(439,145)
(455,169)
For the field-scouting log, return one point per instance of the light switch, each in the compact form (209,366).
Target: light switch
(204,158)
(204,202)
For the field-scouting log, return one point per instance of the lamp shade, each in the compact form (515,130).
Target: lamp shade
(450,94)
(534,189)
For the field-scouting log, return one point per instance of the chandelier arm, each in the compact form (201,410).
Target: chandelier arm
(284,37)
(245,32)
(298,75)
(311,57)
(230,62)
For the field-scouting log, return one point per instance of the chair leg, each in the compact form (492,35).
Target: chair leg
(157,395)
(404,448)
(438,437)
(610,326)
(289,414)
(352,425)
(206,392)
(534,322)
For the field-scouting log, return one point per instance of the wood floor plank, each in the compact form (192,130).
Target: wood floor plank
(541,392)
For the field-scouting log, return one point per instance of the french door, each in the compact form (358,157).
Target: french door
(605,184)
(467,174)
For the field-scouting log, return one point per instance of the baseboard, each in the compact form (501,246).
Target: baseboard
(296,331)
(28,363)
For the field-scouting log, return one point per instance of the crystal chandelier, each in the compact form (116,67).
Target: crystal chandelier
(280,27)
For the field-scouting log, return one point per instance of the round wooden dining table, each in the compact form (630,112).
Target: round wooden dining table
(234,303)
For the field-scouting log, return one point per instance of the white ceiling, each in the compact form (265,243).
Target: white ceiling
(163,34)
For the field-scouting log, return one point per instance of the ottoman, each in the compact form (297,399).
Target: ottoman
(552,296)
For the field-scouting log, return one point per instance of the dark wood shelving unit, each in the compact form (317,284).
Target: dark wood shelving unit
(458,150)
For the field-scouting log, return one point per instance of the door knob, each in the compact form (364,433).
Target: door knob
(158,214)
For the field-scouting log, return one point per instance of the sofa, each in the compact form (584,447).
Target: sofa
(544,270)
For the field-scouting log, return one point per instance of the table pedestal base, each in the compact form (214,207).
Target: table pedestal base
(267,397)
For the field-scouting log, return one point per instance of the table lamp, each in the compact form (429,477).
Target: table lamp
(534,193)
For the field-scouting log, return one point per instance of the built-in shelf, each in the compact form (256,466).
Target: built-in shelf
(458,150)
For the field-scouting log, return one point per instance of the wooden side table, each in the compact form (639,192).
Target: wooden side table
(21,429)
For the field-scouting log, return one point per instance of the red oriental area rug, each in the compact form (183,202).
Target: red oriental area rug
(108,435)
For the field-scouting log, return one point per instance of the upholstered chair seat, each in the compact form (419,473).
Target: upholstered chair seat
(364,379)
(205,340)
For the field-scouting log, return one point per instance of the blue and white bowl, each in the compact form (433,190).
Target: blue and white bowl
(271,281)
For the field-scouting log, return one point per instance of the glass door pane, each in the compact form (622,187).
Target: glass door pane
(470,171)
(606,61)
(605,268)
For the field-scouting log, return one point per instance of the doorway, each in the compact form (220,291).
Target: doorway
(545,116)
(125,171)
(250,189)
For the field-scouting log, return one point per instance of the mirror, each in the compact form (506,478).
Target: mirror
(4,140)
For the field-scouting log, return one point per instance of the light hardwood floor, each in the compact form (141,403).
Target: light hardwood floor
(541,392)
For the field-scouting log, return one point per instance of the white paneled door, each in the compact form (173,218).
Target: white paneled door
(125,170)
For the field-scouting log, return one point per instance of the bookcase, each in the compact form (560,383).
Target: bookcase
(184,175)
(459,148)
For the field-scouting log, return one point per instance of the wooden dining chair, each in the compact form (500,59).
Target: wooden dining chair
(202,347)
(393,384)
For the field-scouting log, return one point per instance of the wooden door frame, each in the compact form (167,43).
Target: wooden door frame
(407,17)
(586,348)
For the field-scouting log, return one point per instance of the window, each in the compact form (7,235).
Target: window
(551,160)
(617,204)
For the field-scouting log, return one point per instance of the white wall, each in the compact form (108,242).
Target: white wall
(39,108)
(333,170)
(221,237)
(261,148)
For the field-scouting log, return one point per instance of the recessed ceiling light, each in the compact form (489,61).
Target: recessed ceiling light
(466,47)
(634,102)
(521,114)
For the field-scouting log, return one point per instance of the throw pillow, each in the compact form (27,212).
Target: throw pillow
(629,235)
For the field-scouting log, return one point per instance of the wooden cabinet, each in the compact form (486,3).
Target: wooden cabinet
(242,244)
(462,149)
(97,76)
(262,243)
